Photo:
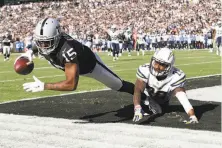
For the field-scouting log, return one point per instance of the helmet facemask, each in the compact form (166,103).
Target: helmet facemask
(159,68)
(46,45)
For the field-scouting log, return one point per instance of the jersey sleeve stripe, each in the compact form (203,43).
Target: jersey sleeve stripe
(182,80)
(140,74)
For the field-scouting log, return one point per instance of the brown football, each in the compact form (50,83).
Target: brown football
(23,66)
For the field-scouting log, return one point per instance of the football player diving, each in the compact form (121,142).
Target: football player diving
(160,80)
(74,58)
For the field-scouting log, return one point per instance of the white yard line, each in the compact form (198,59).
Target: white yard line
(117,63)
(85,91)
(12,80)
(111,66)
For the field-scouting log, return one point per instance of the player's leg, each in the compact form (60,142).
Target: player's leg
(8,52)
(130,47)
(109,48)
(142,47)
(5,52)
(120,49)
(217,45)
(117,50)
(137,49)
(104,75)
(154,107)
(113,50)
(210,45)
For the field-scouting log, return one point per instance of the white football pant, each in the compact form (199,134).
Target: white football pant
(6,50)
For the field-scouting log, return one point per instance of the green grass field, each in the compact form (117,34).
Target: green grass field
(193,63)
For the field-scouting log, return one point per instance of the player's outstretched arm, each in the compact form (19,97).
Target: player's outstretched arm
(182,97)
(71,82)
(138,111)
(138,89)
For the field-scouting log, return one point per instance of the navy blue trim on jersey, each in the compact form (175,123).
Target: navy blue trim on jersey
(180,81)
(141,74)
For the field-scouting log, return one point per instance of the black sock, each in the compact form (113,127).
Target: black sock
(127,87)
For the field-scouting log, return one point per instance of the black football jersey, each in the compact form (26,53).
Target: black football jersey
(7,40)
(72,51)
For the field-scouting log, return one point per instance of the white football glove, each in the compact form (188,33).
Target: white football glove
(192,120)
(36,86)
(138,113)
(28,54)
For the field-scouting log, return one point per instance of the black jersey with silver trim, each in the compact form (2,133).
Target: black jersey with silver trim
(7,40)
(72,51)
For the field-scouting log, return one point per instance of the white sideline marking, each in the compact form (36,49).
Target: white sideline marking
(108,66)
(206,94)
(34,132)
(85,91)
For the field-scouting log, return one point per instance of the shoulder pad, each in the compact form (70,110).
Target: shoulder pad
(143,72)
(178,77)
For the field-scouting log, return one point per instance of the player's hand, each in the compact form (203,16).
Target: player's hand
(138,113)
(36,86)
(28,54)
(192,120)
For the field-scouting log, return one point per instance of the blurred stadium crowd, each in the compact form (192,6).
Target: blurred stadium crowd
(154,18)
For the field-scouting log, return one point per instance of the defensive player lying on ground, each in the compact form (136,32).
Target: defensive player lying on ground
(160,80)
(75,59)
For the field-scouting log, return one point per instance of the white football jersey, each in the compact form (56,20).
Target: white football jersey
(140,39)
(28,40)
(218,31)
(114,36)
(161,90)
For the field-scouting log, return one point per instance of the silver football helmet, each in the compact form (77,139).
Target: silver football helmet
(47,35)
(164,58)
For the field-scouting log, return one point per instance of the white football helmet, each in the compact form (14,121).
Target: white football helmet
(47,35)
(163,57)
